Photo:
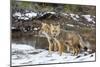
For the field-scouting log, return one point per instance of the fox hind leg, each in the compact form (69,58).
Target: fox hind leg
(75,50)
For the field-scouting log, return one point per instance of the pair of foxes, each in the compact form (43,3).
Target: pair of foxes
(59,39)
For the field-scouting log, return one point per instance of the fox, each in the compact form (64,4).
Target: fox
(45,30)
(71,39)
(59,39)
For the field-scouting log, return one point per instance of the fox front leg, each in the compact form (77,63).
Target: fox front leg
(68,48)
(59,46)
(55,46)
(50,46)
(60,49)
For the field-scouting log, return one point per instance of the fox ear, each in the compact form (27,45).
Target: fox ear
(43,23)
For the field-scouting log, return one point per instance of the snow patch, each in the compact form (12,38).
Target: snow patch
(77,16)
(23,54)
(70,25)
(74,16)
(21,47)
(65,14)
(88,17)
(13,27)
(17,14)
(30,15)
(35,28)
(22,17)
(52,12)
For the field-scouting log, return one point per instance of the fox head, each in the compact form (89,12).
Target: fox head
(55,30)
(45,28)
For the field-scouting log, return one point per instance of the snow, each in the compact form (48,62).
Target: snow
(23,54)
(30,15)
(65,14)
(21,47)
(22,17)
(17,14)
(74,16)
(71,25)
(88,17)
(77,16)
(35,28)
(25,16)
(13,27)
(51,12)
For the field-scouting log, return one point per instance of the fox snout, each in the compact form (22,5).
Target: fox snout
(54,36)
